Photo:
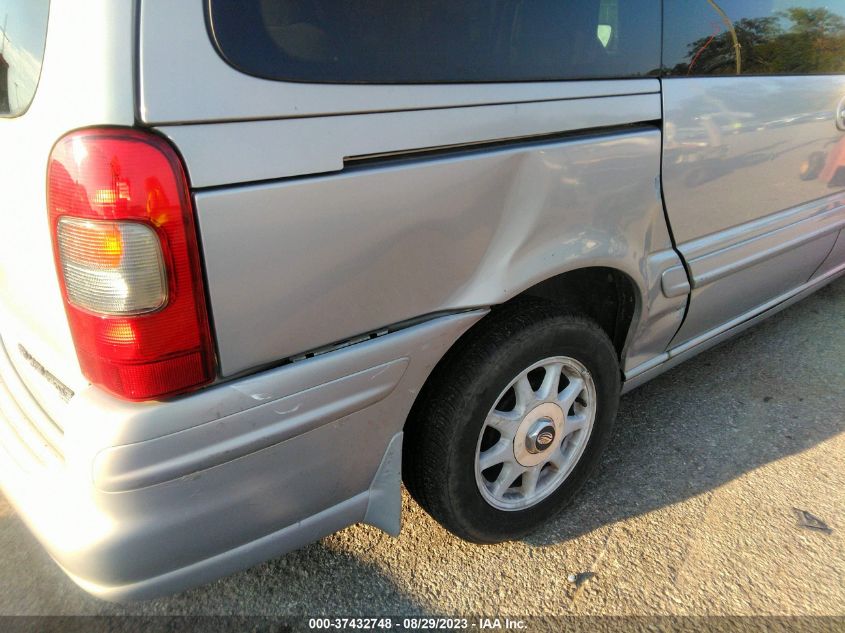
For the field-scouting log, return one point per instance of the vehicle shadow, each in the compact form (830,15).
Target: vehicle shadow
(314,581)
(752,400)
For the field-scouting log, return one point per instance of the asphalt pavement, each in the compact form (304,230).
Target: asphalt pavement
(712,499)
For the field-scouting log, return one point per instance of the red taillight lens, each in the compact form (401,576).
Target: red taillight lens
(128,263)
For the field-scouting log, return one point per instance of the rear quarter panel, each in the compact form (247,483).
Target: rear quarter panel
(297,264)
(305,245)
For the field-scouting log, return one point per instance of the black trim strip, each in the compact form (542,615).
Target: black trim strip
(423,153)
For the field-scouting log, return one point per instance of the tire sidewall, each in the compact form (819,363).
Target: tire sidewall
(555,336)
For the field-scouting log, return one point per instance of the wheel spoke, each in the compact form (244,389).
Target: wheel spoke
(524,393)
(510,471)
(575,423)
(505,422)
(514,469)
(529,480)
(500,452)
(570,394)
(557,459)
(550,381)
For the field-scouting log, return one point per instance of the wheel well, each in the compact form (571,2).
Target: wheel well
(606,295)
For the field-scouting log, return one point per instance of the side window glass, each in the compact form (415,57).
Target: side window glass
(754,37)
(23,33)
(438,41)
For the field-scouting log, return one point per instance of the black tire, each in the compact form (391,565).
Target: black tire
(441,435)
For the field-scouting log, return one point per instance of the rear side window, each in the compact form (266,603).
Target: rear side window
(438,41)
(754,37)
(23,31)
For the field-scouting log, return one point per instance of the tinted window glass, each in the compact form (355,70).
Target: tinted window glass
(754,37)
(23,30)
(388,41)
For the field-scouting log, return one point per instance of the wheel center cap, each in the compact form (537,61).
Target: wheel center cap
(538,434)
(541,436)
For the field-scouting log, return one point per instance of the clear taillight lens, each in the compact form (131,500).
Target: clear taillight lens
(112,267)
(128,262)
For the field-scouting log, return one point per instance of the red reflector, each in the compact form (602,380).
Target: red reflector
(123,175)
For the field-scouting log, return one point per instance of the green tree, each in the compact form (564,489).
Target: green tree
(794,41)
(814,42)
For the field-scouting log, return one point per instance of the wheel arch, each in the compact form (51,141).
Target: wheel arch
(605,294)
(460,385)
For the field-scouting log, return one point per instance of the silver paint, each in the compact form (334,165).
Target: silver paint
(428,235)
(728,329)
(751,217)
(191,519)
(168,457)
(276,149)
(835,258)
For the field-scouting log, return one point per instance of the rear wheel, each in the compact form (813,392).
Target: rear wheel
(512,422)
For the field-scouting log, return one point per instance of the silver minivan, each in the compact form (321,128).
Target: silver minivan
(261,261)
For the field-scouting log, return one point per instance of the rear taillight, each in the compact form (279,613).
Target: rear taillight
(128,263)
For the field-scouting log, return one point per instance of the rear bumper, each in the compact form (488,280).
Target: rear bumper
(147,499)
